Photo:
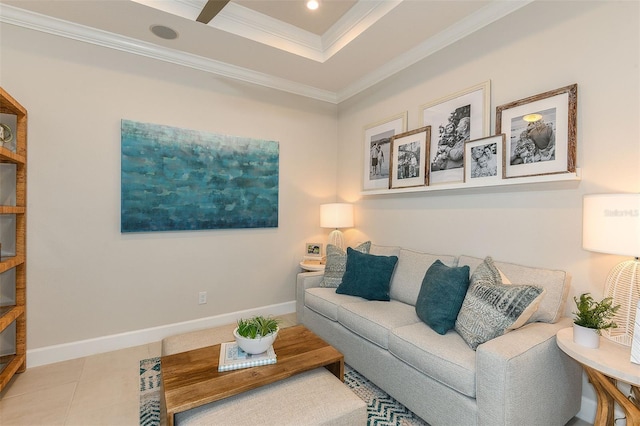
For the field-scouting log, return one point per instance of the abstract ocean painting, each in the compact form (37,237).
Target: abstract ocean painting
(177,179)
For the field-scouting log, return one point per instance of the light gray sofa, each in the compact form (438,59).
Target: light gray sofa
(520,378)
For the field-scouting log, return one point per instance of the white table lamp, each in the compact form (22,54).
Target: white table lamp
(611,224)
(336,215)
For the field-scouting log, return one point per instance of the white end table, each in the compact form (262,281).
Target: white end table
(311,267)
(604,366)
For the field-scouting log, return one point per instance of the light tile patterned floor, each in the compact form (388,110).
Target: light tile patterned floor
(96,390)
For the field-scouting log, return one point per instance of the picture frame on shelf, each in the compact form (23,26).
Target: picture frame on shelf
(483,159)
(313,251)
(377,150)
(540,133)
(454,120)
(409,153)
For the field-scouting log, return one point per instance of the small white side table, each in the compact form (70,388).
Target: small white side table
(311,267)
(604,366)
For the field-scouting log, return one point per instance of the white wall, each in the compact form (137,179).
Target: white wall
(86,279)
(544,46)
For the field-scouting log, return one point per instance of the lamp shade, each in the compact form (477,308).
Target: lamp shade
(336,215)
(611,224)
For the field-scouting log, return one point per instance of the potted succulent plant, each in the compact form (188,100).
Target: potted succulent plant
(591,318)
(255,335)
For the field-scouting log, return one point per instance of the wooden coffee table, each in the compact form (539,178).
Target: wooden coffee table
(191,379)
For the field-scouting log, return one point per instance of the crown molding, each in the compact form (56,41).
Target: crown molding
(34,21)
(252,25)
(474,22)
(483,17)
(353,23)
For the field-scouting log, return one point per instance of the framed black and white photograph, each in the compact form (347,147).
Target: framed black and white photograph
(313,250)
(454,120)
(409,153)
(377,150)
(483,159)
(540,133)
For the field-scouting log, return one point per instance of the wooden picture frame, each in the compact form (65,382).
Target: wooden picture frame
(409,152)
(540,133)
(455,119)
(483,159)
(377,150)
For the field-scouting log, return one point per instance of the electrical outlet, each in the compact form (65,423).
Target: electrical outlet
(202,298)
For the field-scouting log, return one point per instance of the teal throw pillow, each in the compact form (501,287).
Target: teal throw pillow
(441,296)
(336,264)
(367,275)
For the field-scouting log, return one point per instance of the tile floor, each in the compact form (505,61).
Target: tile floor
(96,390)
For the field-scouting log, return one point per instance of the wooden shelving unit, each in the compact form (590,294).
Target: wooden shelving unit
(13,314)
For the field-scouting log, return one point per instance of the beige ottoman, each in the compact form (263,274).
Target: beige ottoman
(315,397)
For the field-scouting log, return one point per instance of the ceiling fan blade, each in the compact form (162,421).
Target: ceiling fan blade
(210,10)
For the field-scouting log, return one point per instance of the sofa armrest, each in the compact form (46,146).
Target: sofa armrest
(523,378)
(304,281)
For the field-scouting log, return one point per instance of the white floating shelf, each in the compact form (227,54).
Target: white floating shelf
(559,177)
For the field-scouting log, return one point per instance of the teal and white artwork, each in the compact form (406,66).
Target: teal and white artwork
(177,179)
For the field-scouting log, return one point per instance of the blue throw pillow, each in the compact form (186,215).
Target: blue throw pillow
(441,296)
(367,275)
(337,263)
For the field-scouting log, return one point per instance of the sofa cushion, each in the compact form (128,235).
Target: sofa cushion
(555,282)
(441,295)
(384,250)
(491,308)
(445,358)
(337,263)
(373,320)
(326,301)
(412,265)
(367,275)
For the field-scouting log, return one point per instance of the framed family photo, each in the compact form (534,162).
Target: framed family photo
(313,250)
(409,153)
(454,120)
(377,150)
(483,159)
(540,133)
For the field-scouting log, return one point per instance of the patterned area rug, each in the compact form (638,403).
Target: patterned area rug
(382,409)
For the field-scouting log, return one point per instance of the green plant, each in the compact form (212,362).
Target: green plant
(595,315)
(256,327)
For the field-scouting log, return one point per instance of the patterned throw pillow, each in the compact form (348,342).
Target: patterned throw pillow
(491,308)
(337,263)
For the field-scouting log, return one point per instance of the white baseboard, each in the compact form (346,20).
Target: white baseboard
(588,412)
(82,348)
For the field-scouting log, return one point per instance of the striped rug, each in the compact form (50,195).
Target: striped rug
(382,409)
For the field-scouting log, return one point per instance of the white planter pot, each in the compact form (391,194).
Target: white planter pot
(255,346)
(586,337)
